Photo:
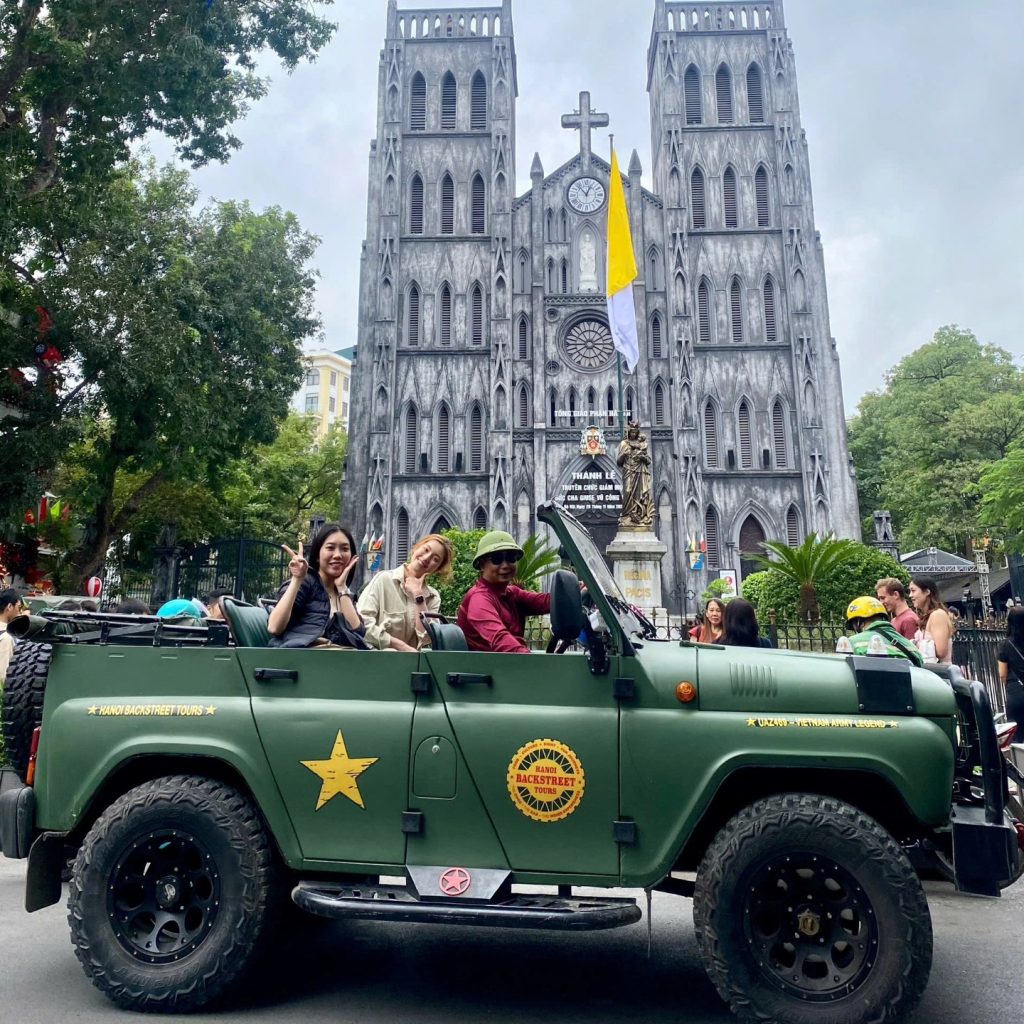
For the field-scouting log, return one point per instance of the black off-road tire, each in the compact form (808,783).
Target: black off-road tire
(22,702)
(807,911)
(174,894)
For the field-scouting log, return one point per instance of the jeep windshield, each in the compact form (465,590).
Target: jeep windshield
(631,620)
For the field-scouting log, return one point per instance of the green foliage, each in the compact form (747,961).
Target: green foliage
(185,331)
(807,566)
(81,80)
(716,588)
(1002,485)
(949,411)
(539,560)
(855,575)
(463,574)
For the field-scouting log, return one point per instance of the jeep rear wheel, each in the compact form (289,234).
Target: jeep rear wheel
(172,894)
(21,709)
(806,910)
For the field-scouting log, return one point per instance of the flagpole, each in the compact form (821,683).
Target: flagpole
(618,354)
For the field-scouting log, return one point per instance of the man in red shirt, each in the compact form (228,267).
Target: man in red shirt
(493,612)
(892,594)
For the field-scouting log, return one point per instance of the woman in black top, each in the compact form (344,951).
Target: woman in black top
(741,629)
(1010,662)
(316,608)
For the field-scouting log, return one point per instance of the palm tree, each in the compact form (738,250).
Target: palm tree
(806,565)
(539,560)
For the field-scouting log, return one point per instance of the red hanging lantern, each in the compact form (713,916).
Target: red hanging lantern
(93,586)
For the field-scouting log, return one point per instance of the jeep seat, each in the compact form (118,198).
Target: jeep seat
(446,636)
(247,622)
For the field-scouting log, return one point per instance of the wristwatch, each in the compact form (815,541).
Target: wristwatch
(421,599)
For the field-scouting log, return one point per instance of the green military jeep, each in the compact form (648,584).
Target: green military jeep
(796,798)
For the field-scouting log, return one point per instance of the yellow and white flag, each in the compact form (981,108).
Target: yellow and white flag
(621,273)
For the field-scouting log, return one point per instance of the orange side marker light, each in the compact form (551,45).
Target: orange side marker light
(686,692)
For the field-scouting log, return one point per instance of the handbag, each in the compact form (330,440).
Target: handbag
(341,633)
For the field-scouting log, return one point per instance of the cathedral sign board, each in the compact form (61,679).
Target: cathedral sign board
(482,317)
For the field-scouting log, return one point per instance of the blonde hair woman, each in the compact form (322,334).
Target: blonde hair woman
(393,603)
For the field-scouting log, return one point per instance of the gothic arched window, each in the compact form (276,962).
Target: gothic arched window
(448,102)
(572,407)
(412,317)
(443,443)
(523,339)
(656,336)
(523,407)
(653,269)
(735,310)
(553,408)
(564,277)
(476,439)
(549,226)
(447,205)
(743,435)
(779,434)
(711,435)
(478,103)
(418,103)
(761,194)
(771,334)
(793,527)
(711,538)
(476,316)
(729,198)
(659,404)
(444,315)
(402,536)
(610,405)
(751,538)
(563,225)
(723,94)
(412,439)
(698,210)
(416,205)
(755,96)
(478,206)
(691,95)
(704,313)
(480,518)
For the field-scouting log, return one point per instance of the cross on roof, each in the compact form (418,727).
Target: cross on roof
(584,119)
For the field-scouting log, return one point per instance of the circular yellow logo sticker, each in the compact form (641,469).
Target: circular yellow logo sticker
(545,780)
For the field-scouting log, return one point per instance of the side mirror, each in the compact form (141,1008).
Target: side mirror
(567,618)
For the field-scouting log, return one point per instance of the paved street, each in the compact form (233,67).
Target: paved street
(378,973)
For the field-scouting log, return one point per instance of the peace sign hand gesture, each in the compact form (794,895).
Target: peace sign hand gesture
(298,566)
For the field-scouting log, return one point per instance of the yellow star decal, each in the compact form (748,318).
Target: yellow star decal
(211,710)
(339,773)
(751,721)
(93,709)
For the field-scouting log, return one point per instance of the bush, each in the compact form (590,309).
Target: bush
(856,575)
(463,574)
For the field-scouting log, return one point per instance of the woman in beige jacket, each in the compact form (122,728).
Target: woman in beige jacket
(393,602)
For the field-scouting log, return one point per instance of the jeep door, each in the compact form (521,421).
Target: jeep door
(335,726)
(539,734)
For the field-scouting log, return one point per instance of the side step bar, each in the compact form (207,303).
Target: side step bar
(396,903)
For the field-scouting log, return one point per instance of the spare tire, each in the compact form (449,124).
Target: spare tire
(21,706)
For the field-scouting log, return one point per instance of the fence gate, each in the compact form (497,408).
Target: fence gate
(245,567)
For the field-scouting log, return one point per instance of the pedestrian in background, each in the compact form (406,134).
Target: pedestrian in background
(711,627)
(1010,663)
(741,628)
(11,605)
(934,636)
(893,595)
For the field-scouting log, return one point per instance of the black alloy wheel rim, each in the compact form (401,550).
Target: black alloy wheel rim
(163,896)
(810,927)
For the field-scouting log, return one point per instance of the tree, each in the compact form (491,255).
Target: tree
(948,410)
(807,566)
(855,575)
(80,80)
(181,331)
(463,574)
(1002,487)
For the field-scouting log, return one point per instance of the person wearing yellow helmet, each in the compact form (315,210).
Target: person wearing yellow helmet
(867,617)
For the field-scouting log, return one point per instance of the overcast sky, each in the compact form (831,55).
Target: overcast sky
(912,110)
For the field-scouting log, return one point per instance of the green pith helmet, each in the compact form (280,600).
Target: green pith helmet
(495,540)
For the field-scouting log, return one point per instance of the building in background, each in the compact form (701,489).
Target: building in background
(485,353)
(326,391)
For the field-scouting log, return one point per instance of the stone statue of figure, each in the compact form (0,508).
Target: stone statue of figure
(635,462)
(588,263)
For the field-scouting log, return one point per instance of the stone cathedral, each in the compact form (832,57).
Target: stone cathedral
(486,379)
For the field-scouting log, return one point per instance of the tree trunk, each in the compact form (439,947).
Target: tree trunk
(808,609)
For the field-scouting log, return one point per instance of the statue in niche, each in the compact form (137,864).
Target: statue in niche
(634,460)
(588,263)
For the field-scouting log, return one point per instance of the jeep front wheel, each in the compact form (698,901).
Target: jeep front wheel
(806,910)
(171,894)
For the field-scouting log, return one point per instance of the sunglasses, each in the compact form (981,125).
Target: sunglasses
(503,557)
